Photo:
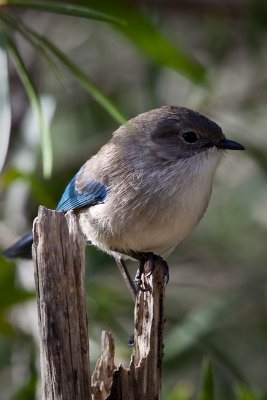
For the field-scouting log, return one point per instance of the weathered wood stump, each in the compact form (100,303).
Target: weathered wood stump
(58,253)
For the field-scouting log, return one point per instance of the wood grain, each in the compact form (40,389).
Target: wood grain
(58,253)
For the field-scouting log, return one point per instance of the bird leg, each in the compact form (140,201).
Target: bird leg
(126,276)
(138,284)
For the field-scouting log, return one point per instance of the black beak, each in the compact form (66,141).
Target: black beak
(229,145)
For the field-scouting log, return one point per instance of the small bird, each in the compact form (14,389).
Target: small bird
(146,188)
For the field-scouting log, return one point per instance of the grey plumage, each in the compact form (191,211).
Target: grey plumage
(148,187)
(158,185)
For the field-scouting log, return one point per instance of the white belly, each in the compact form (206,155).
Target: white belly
(156,221)
(158,230)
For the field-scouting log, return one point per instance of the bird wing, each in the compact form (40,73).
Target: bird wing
(89,193)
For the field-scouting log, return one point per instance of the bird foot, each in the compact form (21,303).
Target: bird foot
(140,285)
(153,259)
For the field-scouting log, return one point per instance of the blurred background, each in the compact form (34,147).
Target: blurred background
(68,78)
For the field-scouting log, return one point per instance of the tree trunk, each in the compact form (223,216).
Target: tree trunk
(58,253)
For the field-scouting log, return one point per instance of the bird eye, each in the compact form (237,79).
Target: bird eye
(190,137)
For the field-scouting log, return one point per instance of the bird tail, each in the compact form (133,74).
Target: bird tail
(21,249)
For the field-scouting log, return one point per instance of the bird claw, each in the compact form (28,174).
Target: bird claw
(165,269)
(164,266)
(142,286)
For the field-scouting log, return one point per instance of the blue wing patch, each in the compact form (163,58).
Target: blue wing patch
(90,194)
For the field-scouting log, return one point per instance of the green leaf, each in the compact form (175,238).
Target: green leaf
(207,385)
(160,49)
(148,38)
(33,97)
(16,24)
(84,81)
(65,9)
(5,111)
(134,26)
(47,46)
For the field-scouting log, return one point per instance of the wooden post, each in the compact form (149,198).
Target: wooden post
(142,379)
(58,253)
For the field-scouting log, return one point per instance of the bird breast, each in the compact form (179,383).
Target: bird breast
(151,212)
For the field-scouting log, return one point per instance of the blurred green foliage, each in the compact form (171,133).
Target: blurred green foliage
(207,385)
(87,68)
